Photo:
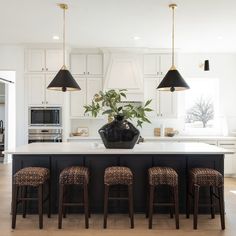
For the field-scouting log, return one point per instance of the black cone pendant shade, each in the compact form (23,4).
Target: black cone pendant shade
(173,81)
(63,80)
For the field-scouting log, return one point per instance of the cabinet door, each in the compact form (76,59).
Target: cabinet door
(165,64)
(94,65)
(94,85)
(151,65)
(35,60)
(78,99)
(36,89)
(150,92)
(229,162)
(54,60)
(167,101)
(78,64)
(52,97)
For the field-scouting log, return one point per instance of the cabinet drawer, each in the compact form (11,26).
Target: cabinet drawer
(227,144)
(211,142)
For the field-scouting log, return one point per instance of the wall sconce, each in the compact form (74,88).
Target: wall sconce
(205,65)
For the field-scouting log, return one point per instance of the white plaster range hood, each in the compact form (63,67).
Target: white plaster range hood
(123,70)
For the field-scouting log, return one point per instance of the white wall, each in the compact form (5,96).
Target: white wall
(12,59)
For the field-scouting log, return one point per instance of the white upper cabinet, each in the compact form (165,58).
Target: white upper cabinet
(38,94)
(89,87)
(156,64)
(35,85)
(52,97)
(78,64)
(78,99)
(94,64)
(53,59)
(43,60)
(163,103)
(86,64)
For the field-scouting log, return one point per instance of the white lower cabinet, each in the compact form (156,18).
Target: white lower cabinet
(89,86)
(164,103)
(230,159)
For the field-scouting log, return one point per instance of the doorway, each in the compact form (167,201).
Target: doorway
(8,113)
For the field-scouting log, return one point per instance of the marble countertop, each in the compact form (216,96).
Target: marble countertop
(97,148)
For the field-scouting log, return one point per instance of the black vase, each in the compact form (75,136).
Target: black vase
(120,133)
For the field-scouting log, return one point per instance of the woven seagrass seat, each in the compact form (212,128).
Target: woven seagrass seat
(118,175)
(73,175)
(163,176)
(205,177)
(34,177)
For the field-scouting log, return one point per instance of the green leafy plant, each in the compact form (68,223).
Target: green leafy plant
(109,103)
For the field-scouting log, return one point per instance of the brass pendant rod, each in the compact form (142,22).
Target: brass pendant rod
(64,36)
(64,7)
(173,36)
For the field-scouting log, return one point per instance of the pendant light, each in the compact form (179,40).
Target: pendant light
(173,81)
(63,80)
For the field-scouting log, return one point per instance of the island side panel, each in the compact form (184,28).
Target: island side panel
(139,165)
(97,165)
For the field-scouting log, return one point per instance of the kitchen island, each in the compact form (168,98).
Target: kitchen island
(180,156)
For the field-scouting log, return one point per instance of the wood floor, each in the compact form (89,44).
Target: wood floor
(117,224)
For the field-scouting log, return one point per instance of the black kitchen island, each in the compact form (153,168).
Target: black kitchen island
(180,156)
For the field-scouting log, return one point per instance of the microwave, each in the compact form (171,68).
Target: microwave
(45,116)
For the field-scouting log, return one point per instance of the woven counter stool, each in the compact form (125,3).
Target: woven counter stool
(118,175)
(74,175)
(205,177)
(163,176)
(23,179)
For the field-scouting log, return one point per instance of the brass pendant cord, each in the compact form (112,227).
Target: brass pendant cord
(64,7)
(173,36)
(64,36)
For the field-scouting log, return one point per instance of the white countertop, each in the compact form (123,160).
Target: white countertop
(143,148)
(175,138)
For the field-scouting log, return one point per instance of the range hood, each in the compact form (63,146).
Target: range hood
(123,71)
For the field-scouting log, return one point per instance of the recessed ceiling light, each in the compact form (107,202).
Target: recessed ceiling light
(136,38)
(220,37)
(55,37)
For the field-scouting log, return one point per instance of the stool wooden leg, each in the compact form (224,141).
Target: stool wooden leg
(195,211)
(61,193)
(188,200)
(131,207)
(176,202)
(151,197)
(147,204)
(212,202)
(64,200)
(24,202)
(86,205)
(222,207)
(14,205)
(49,198)
(105,206)
(40,205)
(171,201)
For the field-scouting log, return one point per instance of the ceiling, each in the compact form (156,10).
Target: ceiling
(201,25)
